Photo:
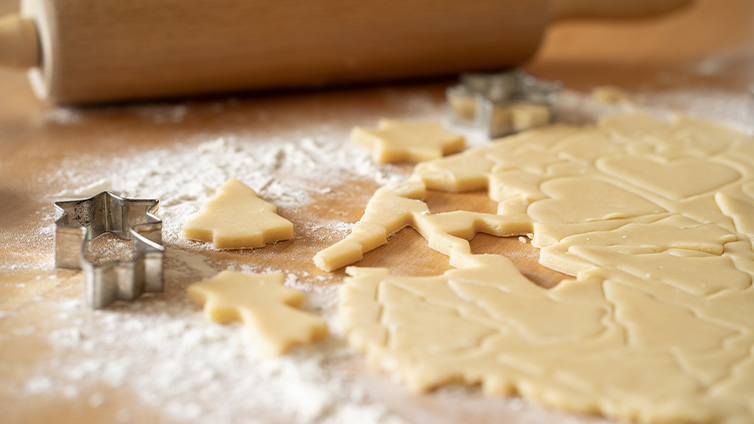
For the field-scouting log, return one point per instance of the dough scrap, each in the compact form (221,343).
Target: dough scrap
(515,117)
(237,219)
(607,94)
(396,141)
(655,324)
(264,305)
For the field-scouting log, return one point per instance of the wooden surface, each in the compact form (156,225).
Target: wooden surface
(147,50)
(113,50)
(657,54)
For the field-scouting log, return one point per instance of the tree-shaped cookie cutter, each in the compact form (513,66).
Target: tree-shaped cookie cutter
(502,103)
(128,219)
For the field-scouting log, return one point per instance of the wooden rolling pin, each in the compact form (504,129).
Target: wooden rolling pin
(82,51)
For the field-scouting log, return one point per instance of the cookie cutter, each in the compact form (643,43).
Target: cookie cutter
(129,219)
(502,103)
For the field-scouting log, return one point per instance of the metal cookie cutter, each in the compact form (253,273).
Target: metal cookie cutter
(502,103)
(129,219)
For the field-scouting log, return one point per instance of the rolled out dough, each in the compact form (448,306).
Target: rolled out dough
(653,220)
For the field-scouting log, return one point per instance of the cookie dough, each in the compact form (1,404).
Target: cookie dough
(651,219)
(237,219)
(607,94)
(396,141)
(505,119)
(264,305)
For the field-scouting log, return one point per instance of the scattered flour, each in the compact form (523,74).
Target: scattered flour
(194,371)
(85,191)
(63,116)
(283,172)
(161,347)
(286,173)
(735,110)
(158,113)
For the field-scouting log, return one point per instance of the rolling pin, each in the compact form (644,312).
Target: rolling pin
(80,51)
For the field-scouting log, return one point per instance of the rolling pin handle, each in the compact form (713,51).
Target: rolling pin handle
(19,42)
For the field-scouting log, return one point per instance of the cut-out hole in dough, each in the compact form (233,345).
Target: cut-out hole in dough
(422,261)
(476,201)
(523,255)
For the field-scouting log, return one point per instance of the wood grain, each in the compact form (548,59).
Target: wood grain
(114,50)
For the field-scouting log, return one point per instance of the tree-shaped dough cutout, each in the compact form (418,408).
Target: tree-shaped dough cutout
(237,219)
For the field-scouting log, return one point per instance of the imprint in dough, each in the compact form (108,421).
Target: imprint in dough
(264,305)
(396,141)
(237,219)
(655,324)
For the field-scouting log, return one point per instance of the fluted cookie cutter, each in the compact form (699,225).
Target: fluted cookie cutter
(128,219)
(502,103)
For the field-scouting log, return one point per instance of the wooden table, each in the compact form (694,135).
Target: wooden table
(709,45)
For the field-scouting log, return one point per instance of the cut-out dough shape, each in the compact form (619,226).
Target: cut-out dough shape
(237,219)
(397,206)
(264,305)
(677,179)
(607,94)
(396,141)
(655,324)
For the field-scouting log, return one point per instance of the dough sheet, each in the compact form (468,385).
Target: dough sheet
(652,220)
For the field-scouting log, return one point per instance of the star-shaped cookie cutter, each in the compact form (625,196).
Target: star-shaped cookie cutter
(502,103)
(128,219)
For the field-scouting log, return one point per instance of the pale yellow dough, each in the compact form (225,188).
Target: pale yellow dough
(264,305)
(653,220)
(607,94)
(517,117)
(396,141)
(237,219)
